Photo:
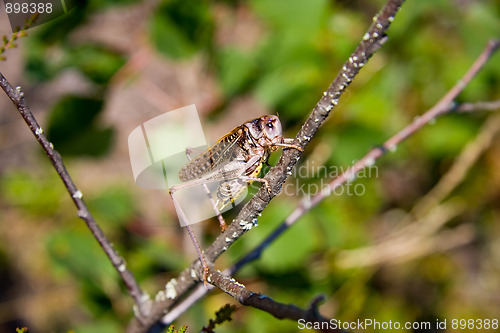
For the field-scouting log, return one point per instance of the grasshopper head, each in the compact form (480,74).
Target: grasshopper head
(271,128)
(266,131)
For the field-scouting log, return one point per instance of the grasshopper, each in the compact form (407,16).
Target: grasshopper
(234,161)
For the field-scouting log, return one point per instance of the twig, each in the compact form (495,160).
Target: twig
(445,105)
(17,97)
(248,215)
(427,216)
(484,106)
(307,204)
(351,173)
(259,301)
(374,38)
(18,32)
(456,173)
(367,161)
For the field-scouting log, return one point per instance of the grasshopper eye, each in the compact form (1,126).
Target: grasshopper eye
(272,129)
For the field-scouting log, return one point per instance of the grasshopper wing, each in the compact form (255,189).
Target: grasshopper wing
(214,157)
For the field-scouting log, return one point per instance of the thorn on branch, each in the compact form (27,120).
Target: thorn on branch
(313,310)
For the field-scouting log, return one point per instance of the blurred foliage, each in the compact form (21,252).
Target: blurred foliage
(95,62)
(73,128)
(180,28)
(298,48)
(30,193)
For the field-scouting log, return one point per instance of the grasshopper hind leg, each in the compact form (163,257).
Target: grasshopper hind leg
(183,217)
(222,222)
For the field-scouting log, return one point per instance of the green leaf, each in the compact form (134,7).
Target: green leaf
(286,83)
(353,142)
(38,66)
(58,29)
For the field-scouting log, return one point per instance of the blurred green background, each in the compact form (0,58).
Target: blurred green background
(377,251)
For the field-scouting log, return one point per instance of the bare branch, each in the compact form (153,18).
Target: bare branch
(374,38)
(421,233)
(472,107)
(445,105)
(462,164)
(368,160)
(259,301)
(17,97)
(248,215)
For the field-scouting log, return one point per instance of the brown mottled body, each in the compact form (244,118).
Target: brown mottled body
(234,161)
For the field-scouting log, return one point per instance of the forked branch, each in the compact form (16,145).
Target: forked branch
(444,106)
(374,38)
(277,309)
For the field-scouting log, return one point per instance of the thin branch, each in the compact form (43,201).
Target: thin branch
(17,97)
(445,105)
(248,215)
(307,204)
(462,164)
(427,217)
(374,38)
(368,161)
(478,106)
(259,301)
